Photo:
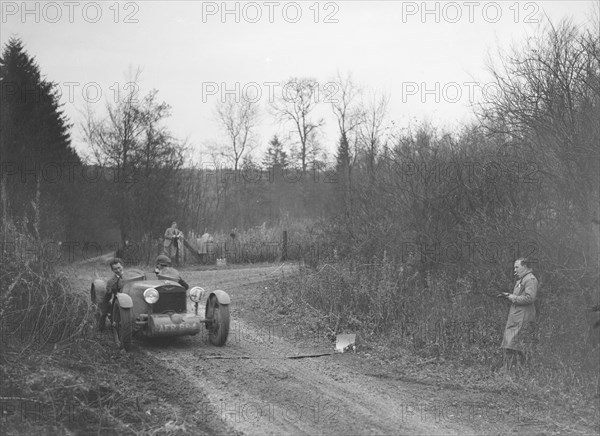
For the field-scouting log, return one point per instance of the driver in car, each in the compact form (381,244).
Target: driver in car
(164,269)
(113,285)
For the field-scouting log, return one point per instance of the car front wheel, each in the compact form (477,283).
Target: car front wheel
(218,328)
(122,327)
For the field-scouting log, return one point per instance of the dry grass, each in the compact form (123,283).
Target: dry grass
(447,319)
(58,376)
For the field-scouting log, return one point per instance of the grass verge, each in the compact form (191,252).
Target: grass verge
(563,398)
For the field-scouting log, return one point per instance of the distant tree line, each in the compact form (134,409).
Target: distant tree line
(136,177)
(522,181)
(526,172)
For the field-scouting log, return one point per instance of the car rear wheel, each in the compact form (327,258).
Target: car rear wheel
(218,328)
(122,327)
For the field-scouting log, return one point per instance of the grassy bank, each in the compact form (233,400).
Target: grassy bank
(443,332)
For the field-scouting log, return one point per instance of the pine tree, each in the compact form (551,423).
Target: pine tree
(276,155)
(343,156)
(343,170)
(35,144)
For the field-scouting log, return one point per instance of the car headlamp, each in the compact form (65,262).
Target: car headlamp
(196,294)
(151,295)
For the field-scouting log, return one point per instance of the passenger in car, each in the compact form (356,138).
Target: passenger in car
(164,271)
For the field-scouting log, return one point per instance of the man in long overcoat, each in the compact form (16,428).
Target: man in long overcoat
(171,241)
(520,325)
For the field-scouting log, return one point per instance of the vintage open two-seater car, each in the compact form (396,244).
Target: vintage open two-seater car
(159,308)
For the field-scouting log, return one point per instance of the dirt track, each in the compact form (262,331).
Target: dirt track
(255,384)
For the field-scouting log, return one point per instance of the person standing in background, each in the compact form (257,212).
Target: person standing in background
(171,241)
(520,325)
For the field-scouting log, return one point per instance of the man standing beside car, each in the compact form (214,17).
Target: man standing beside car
(520,325)
(113,286)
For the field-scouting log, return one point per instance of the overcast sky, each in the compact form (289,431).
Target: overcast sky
(430,58)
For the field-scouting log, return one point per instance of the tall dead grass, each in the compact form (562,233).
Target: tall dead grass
(37,305)
(450,317)
(41,318)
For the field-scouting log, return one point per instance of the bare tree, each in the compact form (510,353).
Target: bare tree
(372,127)
(238,119)
(296,105)
(549,105)
(547,113)
(344,104)
(131,141)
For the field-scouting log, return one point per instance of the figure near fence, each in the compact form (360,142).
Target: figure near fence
(205,246)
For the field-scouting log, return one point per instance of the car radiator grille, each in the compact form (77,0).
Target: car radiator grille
(170,301)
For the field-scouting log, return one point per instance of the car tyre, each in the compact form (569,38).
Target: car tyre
(122,327)
(218,329)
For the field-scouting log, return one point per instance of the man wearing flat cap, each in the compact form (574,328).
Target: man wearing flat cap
(165,271)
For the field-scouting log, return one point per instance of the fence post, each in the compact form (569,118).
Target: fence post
(284,247)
